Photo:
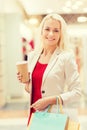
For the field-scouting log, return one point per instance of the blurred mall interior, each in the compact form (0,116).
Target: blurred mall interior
(19,20)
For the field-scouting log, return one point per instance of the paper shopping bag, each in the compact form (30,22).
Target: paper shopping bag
(72,125)
(47,121)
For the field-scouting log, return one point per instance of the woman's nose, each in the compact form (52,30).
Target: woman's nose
(51,33)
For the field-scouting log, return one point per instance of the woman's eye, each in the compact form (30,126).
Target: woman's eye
(56,30)
(47,29)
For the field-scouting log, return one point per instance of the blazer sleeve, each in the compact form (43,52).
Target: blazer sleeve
(30,58)
(72,80)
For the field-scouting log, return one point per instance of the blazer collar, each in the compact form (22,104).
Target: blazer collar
(35,59)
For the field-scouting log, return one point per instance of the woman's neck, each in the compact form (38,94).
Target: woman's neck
(47,51)
(46,55)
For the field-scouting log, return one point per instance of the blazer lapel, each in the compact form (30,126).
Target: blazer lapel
(51,64)
(35,59)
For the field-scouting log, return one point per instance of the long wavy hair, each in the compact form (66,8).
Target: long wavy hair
(63,41)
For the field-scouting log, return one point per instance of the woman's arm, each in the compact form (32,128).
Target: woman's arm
(27,87)
(72,80)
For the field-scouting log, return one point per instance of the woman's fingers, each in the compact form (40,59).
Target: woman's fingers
(19,76)
(39,105)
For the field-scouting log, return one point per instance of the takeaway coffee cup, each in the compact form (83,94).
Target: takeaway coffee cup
(22,68)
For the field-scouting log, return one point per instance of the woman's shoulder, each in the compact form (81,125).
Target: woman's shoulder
(69,59)
(31,55)
(68,56)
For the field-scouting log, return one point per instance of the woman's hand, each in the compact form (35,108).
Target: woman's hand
(42,103)
(19,77)
(27,87)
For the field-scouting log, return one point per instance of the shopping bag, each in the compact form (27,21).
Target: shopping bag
(72,125)
(47,121)
(52,121)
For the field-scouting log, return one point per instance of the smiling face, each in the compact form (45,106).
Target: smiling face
(51,32)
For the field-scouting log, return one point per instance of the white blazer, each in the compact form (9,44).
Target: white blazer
(61,71)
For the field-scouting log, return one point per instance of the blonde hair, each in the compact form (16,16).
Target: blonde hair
(63,38)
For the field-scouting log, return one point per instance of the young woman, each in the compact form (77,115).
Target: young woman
(52,67)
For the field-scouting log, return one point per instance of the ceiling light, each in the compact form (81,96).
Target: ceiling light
(33,21)
(82,19)
(79,3)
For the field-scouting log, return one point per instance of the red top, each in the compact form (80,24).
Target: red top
(37,76)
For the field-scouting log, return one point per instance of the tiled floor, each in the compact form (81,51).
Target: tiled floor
(13,124)
(13,116)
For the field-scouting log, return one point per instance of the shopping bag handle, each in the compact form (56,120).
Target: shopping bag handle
(59,105)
